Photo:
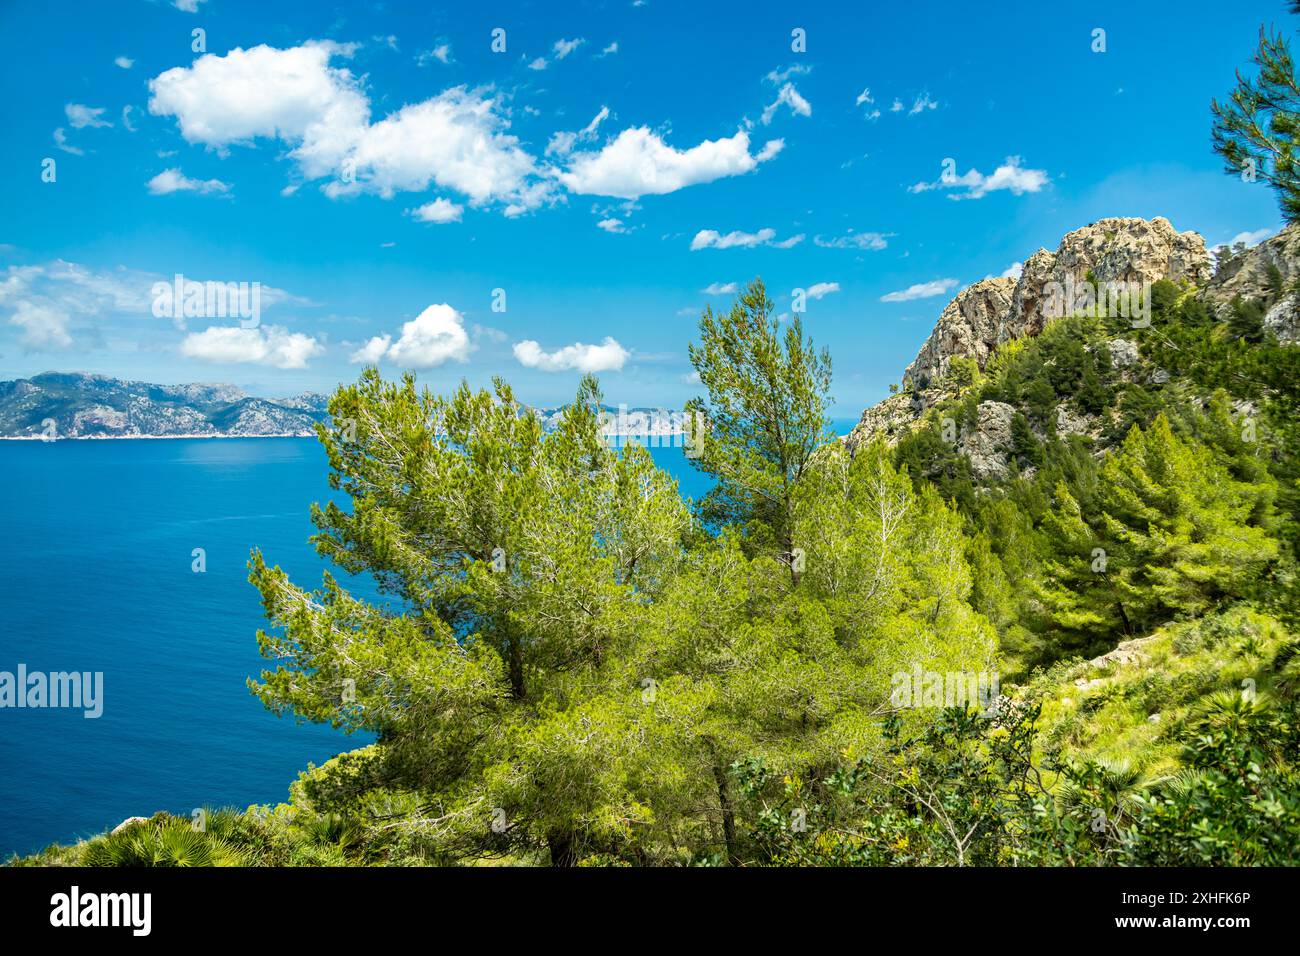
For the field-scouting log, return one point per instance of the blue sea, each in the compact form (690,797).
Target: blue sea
(96,576)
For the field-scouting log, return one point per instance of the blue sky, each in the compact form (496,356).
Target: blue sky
(380,170)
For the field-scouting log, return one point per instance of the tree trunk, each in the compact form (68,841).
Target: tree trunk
(563,852)
(728,815)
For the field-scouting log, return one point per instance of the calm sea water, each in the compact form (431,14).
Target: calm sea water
(95,575)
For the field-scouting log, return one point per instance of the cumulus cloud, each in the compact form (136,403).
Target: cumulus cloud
(1009,176)
(638,163)
(439,211)
(790,97)
(855,240)
(820,289)
(456,140)
(922,290)
(435,336)
(265,345)
(125,62)
(612,225)
(609,50)
(174,181)
(1013,271)
(721,288)
(606,357)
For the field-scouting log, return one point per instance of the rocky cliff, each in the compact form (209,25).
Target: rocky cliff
(991,312)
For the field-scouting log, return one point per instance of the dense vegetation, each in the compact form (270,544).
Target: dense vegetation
(576,666)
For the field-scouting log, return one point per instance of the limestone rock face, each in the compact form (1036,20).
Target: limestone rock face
(1070,421)
(989,313)
(1112,250)
(891,419)
(989,442)
(970,327)
(1252,277)
(1123,353)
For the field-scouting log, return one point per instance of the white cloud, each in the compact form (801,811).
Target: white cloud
(125,62)
(174,181)
(61,141)
(538,64)
(896,106)
(563,48)
(923,103)
(864,97)
(265,345)
(611,49)
(189,6)
(126,118)
(777,77)
(292,95)
(453,140)
(372,351)
(721,288)
(855,240)
(769,150)
(439,211)
(791,98)
(1251,238)
(80,116)
(608,356)
(60,303)
(435,336)
(638,163)
(820,289)
(441,53)
(612,225)
(923,290)
(1009,176)
(712,239)
(562,143)
(44,326)
(1013,271)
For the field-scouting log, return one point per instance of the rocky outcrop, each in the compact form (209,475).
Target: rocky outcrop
(970,327)
(988,444)
(1110,250)
(993,311)
(1260,273)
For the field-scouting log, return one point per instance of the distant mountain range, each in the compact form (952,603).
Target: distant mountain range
(82,405)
